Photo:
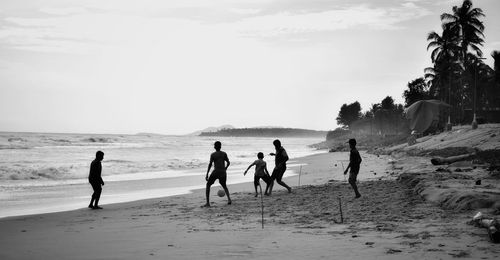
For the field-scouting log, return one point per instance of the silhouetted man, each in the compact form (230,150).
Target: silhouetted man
(95,180)
(219,160)
(354,164)
(279,166)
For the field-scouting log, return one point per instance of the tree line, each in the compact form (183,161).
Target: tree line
(458,77)
(266,132)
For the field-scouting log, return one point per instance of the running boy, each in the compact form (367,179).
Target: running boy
(354,163)
(260,173)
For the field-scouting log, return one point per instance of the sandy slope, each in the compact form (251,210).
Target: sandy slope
(485,137)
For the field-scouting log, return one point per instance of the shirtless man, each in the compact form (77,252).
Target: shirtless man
(95,180)
(279,168)
(218,159)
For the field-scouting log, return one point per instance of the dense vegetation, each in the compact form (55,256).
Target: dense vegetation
(266,132)
(458,77)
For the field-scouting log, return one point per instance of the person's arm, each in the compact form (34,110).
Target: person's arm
(265,170)
(245,173)
(227,160)
(350,163)
(347,169)
(359,158)
(100,171)
(285,156)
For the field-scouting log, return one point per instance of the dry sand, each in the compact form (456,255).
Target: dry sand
(389,222)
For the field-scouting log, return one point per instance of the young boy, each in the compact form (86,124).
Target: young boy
(354,163)
(260,173)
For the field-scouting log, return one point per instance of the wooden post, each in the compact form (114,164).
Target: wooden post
(340,208)
(300,172)
(261,206)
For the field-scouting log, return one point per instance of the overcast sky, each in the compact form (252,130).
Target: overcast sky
(177,66)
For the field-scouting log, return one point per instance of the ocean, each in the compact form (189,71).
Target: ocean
(41,172)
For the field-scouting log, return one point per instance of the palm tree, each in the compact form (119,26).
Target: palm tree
(465,24)
(445,47)
(494,86)
(496,65)
(467,29)
(445,57)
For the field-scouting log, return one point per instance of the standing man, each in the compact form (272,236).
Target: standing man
(95,180)
(279,166)
(354,163)
(219,159)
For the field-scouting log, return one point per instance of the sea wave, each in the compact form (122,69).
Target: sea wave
(99,140)
(23,173)
(9,147)
(23,170)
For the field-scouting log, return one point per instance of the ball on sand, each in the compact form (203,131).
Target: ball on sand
(221,193)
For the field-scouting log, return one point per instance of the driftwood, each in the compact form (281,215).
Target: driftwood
(491,224)
(451,159)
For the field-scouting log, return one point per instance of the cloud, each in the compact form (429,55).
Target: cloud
(63,11)
(244,11)
(361,16)
(85,30)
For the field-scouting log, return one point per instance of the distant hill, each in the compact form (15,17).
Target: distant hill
(212,129)
(266,132)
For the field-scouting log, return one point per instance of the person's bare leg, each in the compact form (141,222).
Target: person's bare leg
(91,205)
(97,197)
(270,186)
(227,193)
(280,182)
(355,188)
(207,194)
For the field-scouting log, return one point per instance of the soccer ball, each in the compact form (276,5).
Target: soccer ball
(221,193)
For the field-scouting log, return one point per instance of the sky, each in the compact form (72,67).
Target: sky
(178,66)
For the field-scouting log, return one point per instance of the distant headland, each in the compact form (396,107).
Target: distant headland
(266,132)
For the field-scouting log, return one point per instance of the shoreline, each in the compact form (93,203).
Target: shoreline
(124,191)
(388,222)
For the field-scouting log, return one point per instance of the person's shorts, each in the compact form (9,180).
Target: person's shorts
(353,177)
(220,175)
(266,178)
(278,173)
(96,186)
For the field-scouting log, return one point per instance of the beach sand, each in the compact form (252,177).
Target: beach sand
(390,221)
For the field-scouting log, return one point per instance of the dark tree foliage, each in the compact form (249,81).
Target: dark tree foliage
(387,103)
(459,76)
(417,90)
(349,113)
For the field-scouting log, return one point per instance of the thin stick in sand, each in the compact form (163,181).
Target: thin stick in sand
(262,206)
(300,172)
(340,209)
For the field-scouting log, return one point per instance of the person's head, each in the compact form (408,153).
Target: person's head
(277,143)
(99,155)
(260,155)
(217,145)
(352,143)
